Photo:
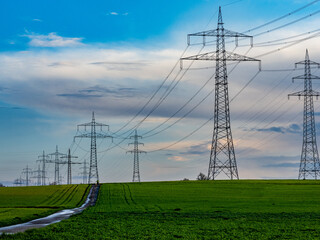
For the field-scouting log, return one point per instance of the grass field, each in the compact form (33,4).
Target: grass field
(20,204)
(195,210)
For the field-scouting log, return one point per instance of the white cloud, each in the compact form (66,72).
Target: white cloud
(114,13)
(37,20)
(52,40)
(178,159)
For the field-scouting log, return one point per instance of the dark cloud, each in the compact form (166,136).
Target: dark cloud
(293,128)
(121,92)
(199,149)
(121,65)
(283,165)
(78,95)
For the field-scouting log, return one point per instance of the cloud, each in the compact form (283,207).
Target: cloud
(120,92)
(199,149)
(283,165)
(53,40)
(37,20)
(117,14)
(113,13)
(178,159)
(78,95)
(293,128)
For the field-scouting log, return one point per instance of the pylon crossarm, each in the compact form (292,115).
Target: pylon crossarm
(305,93)
(304,77)
(216,33)
(212,56)
(304,62)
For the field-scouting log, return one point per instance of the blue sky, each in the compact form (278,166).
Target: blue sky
(61,60)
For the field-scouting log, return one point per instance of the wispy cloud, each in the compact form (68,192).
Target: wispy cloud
(117,14)
(37,20)
(52,40)
(178,159)
(293,128)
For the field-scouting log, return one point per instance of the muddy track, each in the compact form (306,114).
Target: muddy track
(55,217)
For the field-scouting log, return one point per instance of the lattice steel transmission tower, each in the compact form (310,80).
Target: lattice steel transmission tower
(69,162)
(222,156)
(136,152)
(27,171)
(44,159)
(309,163)
(38,176)
(84,172)
(93,135)
(57,162)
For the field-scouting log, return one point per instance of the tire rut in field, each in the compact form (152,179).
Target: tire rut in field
(59,196)
(125,195)
(130,194)
(73,192)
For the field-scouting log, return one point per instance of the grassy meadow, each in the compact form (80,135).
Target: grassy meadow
(20,204)
(245,209)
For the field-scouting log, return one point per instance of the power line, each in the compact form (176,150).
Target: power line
(154,94)
(282,17)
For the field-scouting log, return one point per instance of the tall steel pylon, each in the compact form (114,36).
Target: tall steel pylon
(69,162)
(309,163)
(136,152)
(27,171)
(93,135)
(57,162)
(222,156)
(38,176)
(44,159)
(84,172)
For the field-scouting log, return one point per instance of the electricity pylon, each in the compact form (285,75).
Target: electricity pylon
(38,176)
(56,162)
(222,156)
(93,135)
(309,163)
(136,152)
(69,162)
(18,181)
(44,159)
(27,171)
(84,172)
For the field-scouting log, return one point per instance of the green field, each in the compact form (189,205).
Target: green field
(195,210)
(20,204)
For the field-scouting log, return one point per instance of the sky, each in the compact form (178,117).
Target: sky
(62,60)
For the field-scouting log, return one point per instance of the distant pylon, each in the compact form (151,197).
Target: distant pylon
(38,176)
(56,162)
(136,152)
(69,162)
(84,172)
(93,135)
(309,163)
(27,171)
(44,159)
(222,156)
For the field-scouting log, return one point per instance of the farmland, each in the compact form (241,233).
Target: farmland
(195,210)
(20,204)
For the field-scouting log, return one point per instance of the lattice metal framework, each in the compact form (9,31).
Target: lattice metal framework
(43,159)
(27,172)
(222,156)
(93,135)
(84,172)
(309,163)
(69,162)
(57,162)
(136,152)
(38,175)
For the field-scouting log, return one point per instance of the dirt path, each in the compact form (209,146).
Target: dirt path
(55,217)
